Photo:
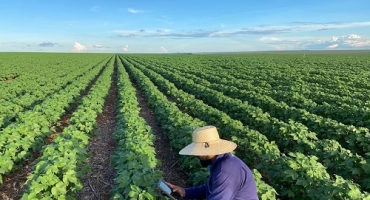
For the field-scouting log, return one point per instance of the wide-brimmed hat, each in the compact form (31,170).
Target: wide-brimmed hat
(206,141)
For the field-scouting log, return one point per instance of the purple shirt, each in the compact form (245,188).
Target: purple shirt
(230,178)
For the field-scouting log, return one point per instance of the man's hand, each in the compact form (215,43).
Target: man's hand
(177,189)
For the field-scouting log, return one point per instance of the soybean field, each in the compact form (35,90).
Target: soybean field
(301,121)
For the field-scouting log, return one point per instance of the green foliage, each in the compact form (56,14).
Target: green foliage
(301,123)
(26,135)
(255,148)
(134,160)
(58,171)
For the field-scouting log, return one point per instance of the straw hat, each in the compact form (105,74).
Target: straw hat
(206,141)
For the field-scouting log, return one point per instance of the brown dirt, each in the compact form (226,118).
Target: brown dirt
(14,183)
(98,183)
(10,79)
(169,159)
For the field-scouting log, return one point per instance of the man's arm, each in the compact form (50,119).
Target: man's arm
(223,187)
(197,192)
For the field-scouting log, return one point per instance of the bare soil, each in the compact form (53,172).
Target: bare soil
(14,183)
(98,183)
(169,159)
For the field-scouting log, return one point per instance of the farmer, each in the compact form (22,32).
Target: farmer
(230,177)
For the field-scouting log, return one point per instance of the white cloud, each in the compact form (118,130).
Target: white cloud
(125,48)
(134,11)
(334,39)
(98,46)
(280,48)
(257,30)
(142,33)
(333,46)
(163,50)
(365,43)
(309,26)
(352,41)
(77,47)
(354,36)
(269,39)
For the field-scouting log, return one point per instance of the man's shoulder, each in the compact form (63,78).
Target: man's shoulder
(232,158)
(230,161)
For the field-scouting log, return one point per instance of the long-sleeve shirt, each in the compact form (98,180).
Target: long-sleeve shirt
(230,179)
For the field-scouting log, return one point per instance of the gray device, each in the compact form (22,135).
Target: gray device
(166,189)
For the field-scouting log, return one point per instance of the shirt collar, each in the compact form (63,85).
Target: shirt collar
(218,158)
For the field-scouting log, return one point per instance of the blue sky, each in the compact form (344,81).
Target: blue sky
(183,26)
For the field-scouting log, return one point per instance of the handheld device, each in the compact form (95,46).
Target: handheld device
(165,189)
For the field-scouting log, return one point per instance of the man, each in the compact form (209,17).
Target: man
(230,178)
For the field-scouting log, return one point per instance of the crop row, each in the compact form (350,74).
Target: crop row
(57,172)
(356,139)
(134,160)
(283,84)
(35,71)
(289,137)
(20,139)
(285,166)
(43,88)
(178,127)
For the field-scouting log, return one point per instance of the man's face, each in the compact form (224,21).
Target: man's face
(205,161)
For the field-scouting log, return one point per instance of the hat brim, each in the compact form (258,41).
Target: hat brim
(217,148)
